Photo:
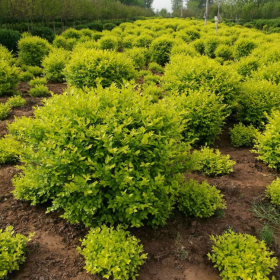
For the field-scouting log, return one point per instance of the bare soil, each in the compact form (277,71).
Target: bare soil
(52,252)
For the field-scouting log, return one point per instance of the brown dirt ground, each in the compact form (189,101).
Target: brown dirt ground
(52,252)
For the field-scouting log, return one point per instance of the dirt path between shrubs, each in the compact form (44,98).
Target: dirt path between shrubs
(175,252)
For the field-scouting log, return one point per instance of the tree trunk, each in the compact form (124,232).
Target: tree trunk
(62,24)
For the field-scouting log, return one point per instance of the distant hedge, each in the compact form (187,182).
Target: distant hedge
(9,39)
(43,32)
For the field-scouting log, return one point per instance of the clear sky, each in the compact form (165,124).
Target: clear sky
(159,4)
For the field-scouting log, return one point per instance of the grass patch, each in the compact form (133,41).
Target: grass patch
(267,212)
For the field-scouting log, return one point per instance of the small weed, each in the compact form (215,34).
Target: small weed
(181,251)
(232,228)
(267,235)
(267,212)
(220,213)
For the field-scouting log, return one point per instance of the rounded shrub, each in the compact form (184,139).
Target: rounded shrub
(12,248)
(242,136)
(81,27)
(246,66)
(184,49)
(223,51)
(25,34)
(185,73)
(86,38)
(35,70)
(32,50)
(109,26)
(37,81)
(269,72)
(86,32)
(9,39)
(204,114)
(87,67)
(39,90)
(16,101)
(241,256)
(248,25)
(154,91)
(211,162)
(137,56)
(71,44)
(10,149)
(108,43)
(9,77)
(60,42)
(193,33)
(267,144)
(257,98)
(269,54)
(128,41)
(86,159)
(210,46)
(54,65)
(199,46)
(147,55)
(143,41)
(71,34)
(96,36)
(243,47)
(125,257)
(5,109)
(152,79)
(156,67)
(85,45)
(144,73)
(182,35)
(161,49)
(26,76)
(6,55)
(199,200)
(273,192)
(95,26)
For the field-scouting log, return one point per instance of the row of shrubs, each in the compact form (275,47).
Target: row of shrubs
(9,38)
(231,254)
(267,25)
(261,23)
(248,99)
(92,25)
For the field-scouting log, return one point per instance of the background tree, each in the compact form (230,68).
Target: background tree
(149,3)
(176,4)
(21,15)
(164,13)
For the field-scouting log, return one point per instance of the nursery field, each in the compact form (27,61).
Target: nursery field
(148,152)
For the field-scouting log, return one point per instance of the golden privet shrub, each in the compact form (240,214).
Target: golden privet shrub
(268,142)
(241,256)
(32,50)
(90,66)
(9,77)
(102,156)
(125,257)
(185,73)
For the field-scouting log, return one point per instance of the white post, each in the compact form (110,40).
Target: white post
(217,21)
(206,12)
(219,4)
